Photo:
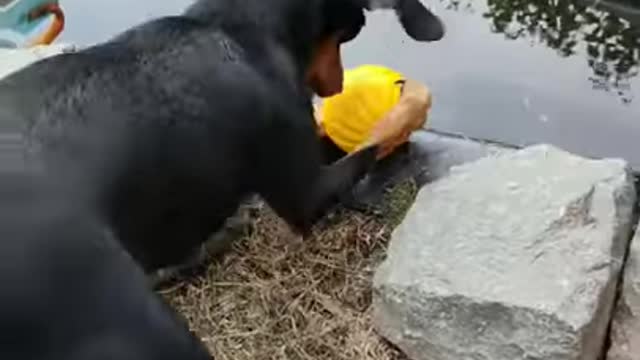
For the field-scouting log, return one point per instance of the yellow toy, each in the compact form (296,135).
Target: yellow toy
(370,110)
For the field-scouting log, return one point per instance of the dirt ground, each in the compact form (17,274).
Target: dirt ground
(275,296)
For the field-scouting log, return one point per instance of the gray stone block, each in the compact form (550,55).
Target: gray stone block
(514,256)
(625,329)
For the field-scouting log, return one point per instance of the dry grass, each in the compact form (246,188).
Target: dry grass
(278,297)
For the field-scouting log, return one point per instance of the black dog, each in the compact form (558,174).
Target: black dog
(70,291)
(168,126)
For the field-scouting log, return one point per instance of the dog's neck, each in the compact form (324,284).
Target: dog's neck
(288,30)
(285,32)
(287,22)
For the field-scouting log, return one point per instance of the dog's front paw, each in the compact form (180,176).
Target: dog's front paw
(353,200)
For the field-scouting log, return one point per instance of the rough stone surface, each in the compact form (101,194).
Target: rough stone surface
(625,330)
(510,257)
(14,59)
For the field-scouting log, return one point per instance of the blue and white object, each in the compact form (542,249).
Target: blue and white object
(14,15)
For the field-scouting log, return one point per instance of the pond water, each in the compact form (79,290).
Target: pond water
(523,72)
(518,71)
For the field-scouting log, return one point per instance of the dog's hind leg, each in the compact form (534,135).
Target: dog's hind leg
(167,274)
(216,245)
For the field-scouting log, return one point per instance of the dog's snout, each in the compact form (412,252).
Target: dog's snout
(418,22)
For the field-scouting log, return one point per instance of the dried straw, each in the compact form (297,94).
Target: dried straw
(275,296)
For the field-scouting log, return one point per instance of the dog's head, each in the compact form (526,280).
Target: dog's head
(343,20)
(313,30)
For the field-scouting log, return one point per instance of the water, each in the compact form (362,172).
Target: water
(519,71)
(525,72)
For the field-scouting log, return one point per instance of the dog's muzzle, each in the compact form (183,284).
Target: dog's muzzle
(418,22)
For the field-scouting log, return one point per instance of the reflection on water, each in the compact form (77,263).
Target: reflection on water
(609,42)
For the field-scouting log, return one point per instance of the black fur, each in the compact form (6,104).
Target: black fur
(168,126)
(70,292)
(150,141)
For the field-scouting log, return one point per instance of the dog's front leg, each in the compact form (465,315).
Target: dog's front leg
(295,183)
(337,181)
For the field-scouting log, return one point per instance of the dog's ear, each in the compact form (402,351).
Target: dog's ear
(418,22)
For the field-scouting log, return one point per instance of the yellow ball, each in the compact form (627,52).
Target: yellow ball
(369,93)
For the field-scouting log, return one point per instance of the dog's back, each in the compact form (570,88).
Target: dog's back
(160,128)
(71,293)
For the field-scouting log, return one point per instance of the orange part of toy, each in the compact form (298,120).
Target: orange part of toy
(369,93)
(55,28)
(407,116)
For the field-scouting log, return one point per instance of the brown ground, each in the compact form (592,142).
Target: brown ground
(277,297)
